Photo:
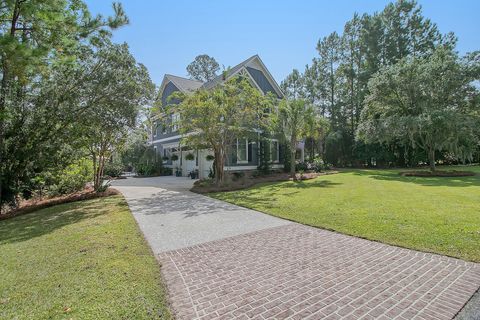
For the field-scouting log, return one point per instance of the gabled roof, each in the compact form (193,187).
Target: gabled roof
(183,84)
(253,61)
(188,85)
(230,72)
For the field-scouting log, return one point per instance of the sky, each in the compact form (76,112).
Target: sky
(167,35)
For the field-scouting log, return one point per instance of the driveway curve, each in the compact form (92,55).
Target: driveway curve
(171,217)
(221,261)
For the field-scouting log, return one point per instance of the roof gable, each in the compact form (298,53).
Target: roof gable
(253,66)
(262,78)
(262,81)
(183,84)
(168,89)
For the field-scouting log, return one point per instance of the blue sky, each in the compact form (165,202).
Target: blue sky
(167,35)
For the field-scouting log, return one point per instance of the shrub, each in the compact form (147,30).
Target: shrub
(145,169)
(301,166)
(211,173)
(318,165)
(166,171)
(71,179)
(153,169)
(238,175)
(103,187)
(113,169)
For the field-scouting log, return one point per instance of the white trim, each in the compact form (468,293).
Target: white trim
(247,74)
(167,139)
(179,136)
(171,145)
(269,75)
(242,168)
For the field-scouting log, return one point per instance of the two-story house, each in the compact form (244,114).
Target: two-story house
(166,138)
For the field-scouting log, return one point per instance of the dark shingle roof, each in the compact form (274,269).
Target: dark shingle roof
(184,84)
(218,79)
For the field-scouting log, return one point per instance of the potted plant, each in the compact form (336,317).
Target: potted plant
(178,172)
(210,157)
(193,174)
(165,158)
(190,157)
(174,157)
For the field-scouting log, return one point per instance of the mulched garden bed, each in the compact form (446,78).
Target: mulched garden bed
(439,173)
(207,186)
(36,204)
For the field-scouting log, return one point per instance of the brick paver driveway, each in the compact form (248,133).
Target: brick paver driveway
(292,271)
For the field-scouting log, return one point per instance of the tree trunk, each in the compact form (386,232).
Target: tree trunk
(219,167)
(293,151)
(431,159)
(94,160)
(312,150)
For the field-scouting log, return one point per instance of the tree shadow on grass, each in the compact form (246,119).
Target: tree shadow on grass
(271,192)
(389,175)
(302,184)
(44,221)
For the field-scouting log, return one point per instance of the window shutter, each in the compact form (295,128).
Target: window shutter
(250,151)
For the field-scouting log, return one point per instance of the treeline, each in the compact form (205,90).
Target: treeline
(68,97)
(337,82)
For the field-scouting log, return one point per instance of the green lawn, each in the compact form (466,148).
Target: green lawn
(440,215)
(83,260)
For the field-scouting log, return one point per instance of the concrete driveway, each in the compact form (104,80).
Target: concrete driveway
(172,217)
(221,261)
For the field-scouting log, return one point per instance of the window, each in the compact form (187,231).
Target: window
(175,122)
(165,155)
(242,150)
(274,151)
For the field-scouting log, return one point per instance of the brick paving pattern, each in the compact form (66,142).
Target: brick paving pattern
(299,272)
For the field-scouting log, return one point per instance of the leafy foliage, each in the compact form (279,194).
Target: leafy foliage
(122,86)
(204,68)
(113,169)
(55,58)
(215,118)
(425,103)
(336,82)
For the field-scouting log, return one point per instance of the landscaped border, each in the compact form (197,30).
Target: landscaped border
(206,186)
(86,194)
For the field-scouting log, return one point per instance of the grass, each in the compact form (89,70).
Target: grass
(82,260)
(434,214)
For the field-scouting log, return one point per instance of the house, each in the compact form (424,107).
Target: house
(166,138)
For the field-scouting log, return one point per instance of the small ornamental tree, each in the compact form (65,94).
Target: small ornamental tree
(428,103)
(215,118)
(292,120)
